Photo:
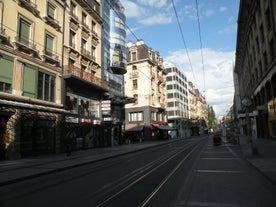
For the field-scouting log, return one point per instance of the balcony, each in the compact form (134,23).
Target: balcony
(95,38)
(25,45)
(52,22)
(73,52)
(29,5)
(86,54)
(77,73)
(74,21)
(50,57)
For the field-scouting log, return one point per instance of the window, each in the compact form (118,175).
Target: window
(6,72)
(72,39)
(51,10)
(49,42)
(135,116)
(73,9)
(133,56)
(29,81)
(38,84)
(46,87)
(84,19)
(134,68)
(93,26)
(24,31)
(136,98)
(83,44)
(134,85)
(93,53)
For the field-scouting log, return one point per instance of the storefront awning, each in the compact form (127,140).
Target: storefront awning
(164,127)
(136,129)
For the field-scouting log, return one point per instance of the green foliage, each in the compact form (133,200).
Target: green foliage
(211,116)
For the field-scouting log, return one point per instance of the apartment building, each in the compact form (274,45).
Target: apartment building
(255,67)
(83,83)
(50,77)
(198,114)
(31,108)
(145,81)
(177,101)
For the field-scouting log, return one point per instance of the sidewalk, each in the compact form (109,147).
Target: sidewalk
(265,158)
(16,170)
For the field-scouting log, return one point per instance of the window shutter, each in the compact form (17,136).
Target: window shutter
(51,11)
(29,81)
(6,69)
(49,43)
(24,33)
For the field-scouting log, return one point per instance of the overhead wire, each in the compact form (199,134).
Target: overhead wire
(184,42)
(200,40)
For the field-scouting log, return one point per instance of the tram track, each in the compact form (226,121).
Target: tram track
(150,169)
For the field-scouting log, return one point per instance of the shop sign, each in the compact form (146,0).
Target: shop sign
(70,119)
(83,120)
(106,107)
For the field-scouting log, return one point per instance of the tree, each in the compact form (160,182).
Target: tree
(211,116)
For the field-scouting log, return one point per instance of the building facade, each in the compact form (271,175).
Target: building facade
(31,107)
(145,81)
(114,63)
(51,86)
(198,114)
(255,67)
(177,101)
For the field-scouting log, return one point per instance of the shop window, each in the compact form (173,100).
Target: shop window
(29,81)
(135,116)
(6,73)
(38,84)
(46,87)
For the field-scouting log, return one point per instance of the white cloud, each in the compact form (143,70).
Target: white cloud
(132,10)
(222,9)
(154,3)
(156,19)
(218,70)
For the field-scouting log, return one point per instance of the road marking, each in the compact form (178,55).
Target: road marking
(217,158)
(220,171)
(205,204)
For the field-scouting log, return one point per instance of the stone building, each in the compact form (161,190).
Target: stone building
(31,106)
(145,81)
(198,114)
(255,67)
(50,77)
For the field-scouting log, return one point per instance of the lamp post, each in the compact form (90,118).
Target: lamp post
(246,102)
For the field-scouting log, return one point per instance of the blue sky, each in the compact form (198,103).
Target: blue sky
(155,22)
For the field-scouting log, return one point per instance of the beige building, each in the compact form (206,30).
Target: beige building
(197,110)
(255,67)
(37,84)
(145,81)
(82,73)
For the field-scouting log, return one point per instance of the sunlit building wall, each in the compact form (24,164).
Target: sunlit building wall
(177,99)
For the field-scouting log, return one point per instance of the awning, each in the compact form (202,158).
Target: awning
(136,129)
(164,127)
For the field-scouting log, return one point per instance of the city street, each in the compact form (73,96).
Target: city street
(189,172)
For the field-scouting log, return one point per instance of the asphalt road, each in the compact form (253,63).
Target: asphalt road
(189,172)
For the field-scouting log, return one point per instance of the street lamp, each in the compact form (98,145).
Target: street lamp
(246,102)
